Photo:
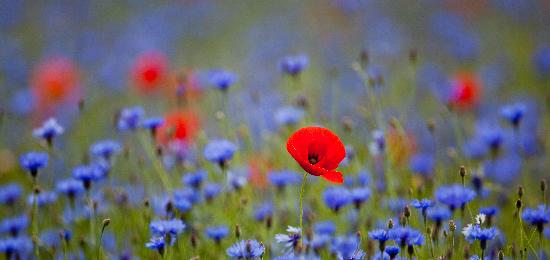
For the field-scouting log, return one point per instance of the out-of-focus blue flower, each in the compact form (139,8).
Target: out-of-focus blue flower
(537,216)
(246,249)
(183,204)
(188,194)
(219,151)
(50,239)
(10,193)
(397,205)
(492,136)
(291,239)
(21,246)
(129,118)
(294,65)
(167,227)
(195,179)
(156,243)
(439,214)
(14,225)
(422,204)
(49,130)
(513,113)
(455,196)
(423,164)
(284,178)
(405,236)
(450,28)
(222,79)
(347,248)
(489,211)
(22,102)
(324,228)
(152,123)
(336,197)
(474,232)
(288,115)
(320,241)
(237,179)
(87,174)
(33,161)
(43,199)
(381,235)
(216,233)
(211,190)
(392,251)
(378,256)
(263,211)
(360,195)
(105,149)
(541,59)
(504,169)
(362,179)
(70,187)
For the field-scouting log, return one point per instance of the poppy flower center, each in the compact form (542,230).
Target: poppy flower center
(313,158)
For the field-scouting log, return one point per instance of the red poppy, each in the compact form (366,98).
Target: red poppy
(318,151)
(465,91)
(178,126)
(54,81)
(149,71)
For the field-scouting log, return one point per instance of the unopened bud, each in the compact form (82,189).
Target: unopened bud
(407,211)
(390,224)
(237,231)
(518,204)
(106,222)
(462,171)
(521,191)
(452,226)
(543,185)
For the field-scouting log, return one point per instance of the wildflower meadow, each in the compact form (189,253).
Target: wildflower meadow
(252,129)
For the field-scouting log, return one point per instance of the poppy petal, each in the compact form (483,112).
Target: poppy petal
(334,177)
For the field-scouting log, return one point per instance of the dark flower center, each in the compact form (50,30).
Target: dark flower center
(313,158)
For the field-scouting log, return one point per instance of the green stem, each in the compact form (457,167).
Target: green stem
(35,219)
(92,218)
(304,179)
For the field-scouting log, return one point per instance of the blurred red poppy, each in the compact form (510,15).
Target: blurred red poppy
(178,126)
(149,71)
(465,91)
(318,151)
(54,81)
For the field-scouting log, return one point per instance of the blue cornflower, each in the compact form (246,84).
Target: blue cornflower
(129,118)
(336,197)
(14,225)
(105,149)
(537,217)
(320,241)
(187,193)
(167,227)
(362,179)
(392,251)
(439,214)
(380,235)
(222,79)
(381,256)
(347,248)
(513,113)
(492,136)
(422,204)
(263,211)
(397,204)
(237,179)
(152,123)
(70,187)
(247,249)
(216,233)
(156,243)
(324,228)
(291,239)
(43,199)
(10,193)
(455,196)
(48,131)
(288,115)
(404,235)
(489,211)
(541,60)
(360,195)
(16,246)
(33,161)
(283,178)
(211,190)
(423,164)
(195,179)
(294,65)
(87,173)
(220,151)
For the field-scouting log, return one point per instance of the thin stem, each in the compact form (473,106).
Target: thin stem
(35,218)
(92,218)
(304,179)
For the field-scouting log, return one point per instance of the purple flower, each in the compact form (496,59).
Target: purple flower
(105,149)
(33,161)
(337,197)
(222,79)
(455,196)
(216,233)
(537,216)
(129,118)
(294,65)
(14,225)
(246,249)
(220,151)
(49,130)
(10,193)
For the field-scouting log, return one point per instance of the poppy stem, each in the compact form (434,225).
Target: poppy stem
(304,179)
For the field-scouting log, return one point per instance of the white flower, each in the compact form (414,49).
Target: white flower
(480,218)
(291,229)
